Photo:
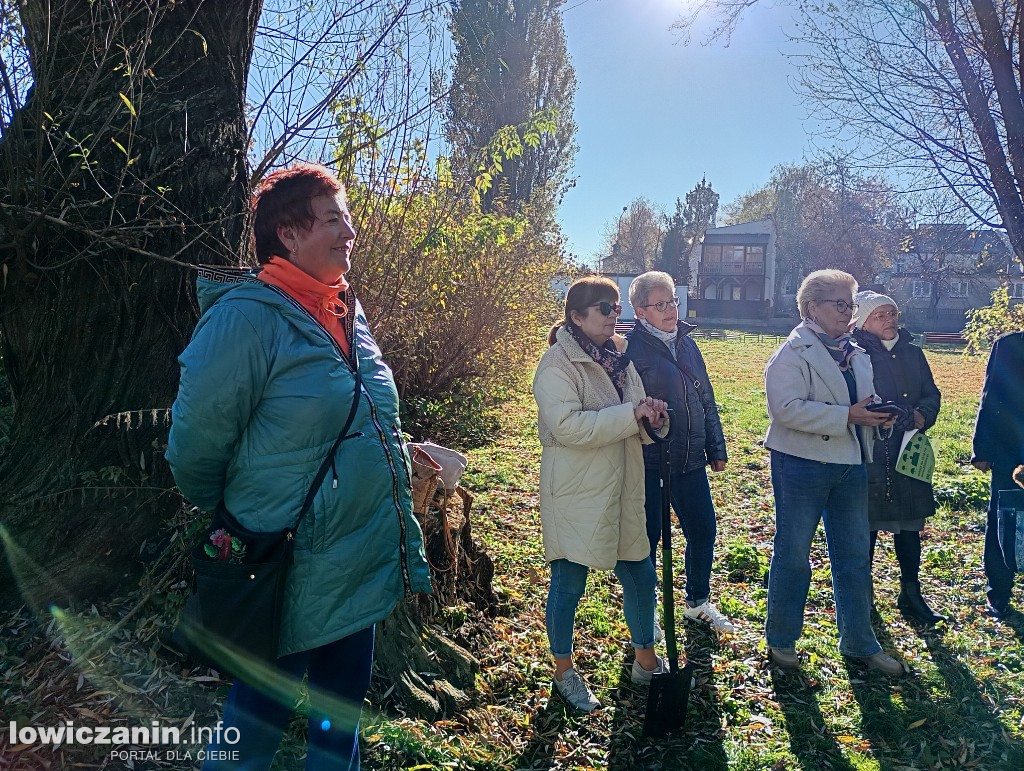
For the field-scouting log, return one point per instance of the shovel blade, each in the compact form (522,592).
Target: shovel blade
(667,702)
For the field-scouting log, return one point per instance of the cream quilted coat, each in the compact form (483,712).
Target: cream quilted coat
(592,466)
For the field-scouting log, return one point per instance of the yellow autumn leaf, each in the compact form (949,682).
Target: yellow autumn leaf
(917,723)
(128,104)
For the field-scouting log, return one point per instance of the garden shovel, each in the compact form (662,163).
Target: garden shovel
(670,692)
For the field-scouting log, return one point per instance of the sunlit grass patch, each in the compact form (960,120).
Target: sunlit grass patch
(745,715)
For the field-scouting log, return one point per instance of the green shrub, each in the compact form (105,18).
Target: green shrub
(970,491)
(984,325)
(457,298)
(744,561)
(461,420)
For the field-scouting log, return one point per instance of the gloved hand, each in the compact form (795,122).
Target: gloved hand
(905,422)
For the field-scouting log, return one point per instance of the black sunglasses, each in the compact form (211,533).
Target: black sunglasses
(842,306)
(606,308)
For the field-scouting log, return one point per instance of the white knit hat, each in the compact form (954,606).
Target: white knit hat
(869,301)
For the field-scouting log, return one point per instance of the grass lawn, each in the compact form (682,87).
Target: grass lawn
(961,706)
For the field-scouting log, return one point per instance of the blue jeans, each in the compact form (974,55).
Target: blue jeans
(569,579)
(806,492)
(339,676)
(691,500)
(1000,578)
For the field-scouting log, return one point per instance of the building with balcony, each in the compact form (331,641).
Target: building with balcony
(734,274)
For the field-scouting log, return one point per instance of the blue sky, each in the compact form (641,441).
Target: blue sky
(653,116)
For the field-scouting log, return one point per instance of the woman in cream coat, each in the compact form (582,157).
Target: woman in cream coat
(590,403)
(820,434)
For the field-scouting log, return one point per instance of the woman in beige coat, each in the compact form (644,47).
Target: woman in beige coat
(590,403)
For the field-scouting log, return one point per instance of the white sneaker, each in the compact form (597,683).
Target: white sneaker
(709,614)
(575,691)
(642,676)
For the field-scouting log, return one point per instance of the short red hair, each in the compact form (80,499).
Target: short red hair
(285,197)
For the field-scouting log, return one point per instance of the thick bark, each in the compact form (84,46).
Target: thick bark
(424,648)
(126,166)
(130,149)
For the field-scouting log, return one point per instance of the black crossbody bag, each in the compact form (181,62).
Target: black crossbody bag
(232,619)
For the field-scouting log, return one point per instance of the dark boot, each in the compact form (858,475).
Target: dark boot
(912,604)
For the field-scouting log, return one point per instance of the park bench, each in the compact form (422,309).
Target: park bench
(946,338)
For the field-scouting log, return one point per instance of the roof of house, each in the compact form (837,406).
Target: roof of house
(738,239)
(954,238)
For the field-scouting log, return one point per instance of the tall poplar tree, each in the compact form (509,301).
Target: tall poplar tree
(511,63)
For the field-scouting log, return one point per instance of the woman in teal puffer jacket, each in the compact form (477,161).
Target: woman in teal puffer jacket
(267,383)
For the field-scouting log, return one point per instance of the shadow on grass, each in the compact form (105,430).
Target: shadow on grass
(697,745)
(548,724)
(976,721)
(809,738)
(1015,621)
(921,732)
(885,726)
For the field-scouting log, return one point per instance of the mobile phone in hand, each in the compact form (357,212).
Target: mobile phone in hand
(891,408)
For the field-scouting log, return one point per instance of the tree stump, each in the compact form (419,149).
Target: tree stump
(424,649)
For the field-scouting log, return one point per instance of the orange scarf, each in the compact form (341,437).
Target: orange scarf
(321,300)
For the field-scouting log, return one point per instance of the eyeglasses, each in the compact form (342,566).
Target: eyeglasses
(842,306)
(673,303)
(606,308)
(885,315)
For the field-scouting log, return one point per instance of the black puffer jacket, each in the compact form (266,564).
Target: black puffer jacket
(999,430)
(697,436)
(902,375)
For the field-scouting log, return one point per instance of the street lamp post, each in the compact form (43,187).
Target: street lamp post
(617,246)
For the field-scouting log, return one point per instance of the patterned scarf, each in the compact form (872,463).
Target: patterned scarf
(668,338)
(842,349)
(611,361)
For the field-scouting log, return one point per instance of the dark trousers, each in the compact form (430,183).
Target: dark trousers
(339,676)
(691,500)
(1000,577)
(907,544)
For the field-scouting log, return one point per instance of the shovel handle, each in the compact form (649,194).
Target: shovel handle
(667,594)
(655,437)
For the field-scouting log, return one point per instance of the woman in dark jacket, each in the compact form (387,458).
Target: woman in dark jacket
(898,503)
(672,368)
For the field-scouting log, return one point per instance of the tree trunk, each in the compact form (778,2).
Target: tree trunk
(130,150)
(423,649)
(125,168)
(1005,184)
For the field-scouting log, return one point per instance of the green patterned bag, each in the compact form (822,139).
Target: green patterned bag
(917,460)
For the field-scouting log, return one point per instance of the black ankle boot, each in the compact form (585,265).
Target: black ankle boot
(912,605)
